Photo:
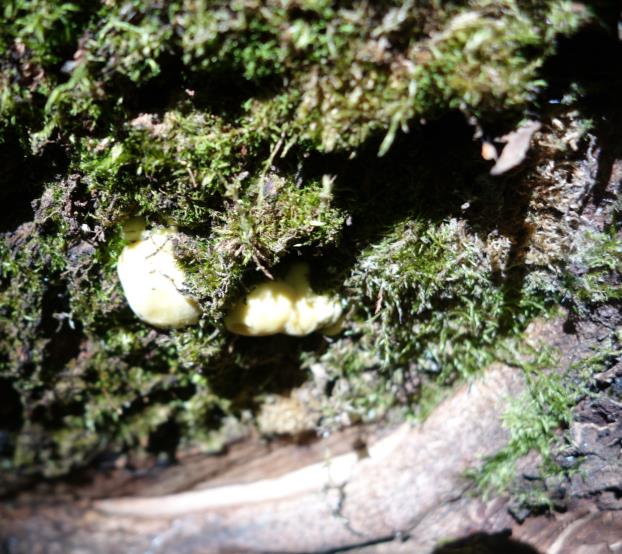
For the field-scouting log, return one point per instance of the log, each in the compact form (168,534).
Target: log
(368,490)
(362,496)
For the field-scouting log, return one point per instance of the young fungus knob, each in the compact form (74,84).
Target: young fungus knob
(264,311)
(286,306)
(152,280)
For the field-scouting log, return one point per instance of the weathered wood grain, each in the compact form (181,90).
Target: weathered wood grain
(349,499)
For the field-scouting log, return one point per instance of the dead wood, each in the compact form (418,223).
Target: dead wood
(365,490)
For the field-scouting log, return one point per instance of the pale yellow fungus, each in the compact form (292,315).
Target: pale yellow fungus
(286,306)
(152,279)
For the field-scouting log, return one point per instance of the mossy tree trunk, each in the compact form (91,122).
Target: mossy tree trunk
(360,139)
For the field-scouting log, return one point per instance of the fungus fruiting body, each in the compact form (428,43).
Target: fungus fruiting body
(152,280)
(286,306)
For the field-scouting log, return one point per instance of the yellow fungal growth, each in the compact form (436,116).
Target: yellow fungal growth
(152,280)
(286,306)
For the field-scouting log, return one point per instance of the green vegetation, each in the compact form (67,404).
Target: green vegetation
(427,306)
(538,421)
(267,132)
(599,266)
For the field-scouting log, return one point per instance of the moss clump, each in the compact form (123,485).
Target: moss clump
(429,310)
(425,304)
(191,160)
(351,72)
(538,423)
(255,128)
(539,420)
(598,269)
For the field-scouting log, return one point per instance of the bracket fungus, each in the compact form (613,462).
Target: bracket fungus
(286,306)
(152,280)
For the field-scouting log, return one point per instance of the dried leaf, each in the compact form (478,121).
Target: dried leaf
(515,150)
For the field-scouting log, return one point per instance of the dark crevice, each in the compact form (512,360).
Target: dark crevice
(11,409)
(17,187)
(22,179)
(263,365)
(486,543)
(64,335)
(428,173)
(165,439)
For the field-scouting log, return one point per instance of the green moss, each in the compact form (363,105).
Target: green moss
(537,422)
(598,260)
(432,279)
(35,37)
(47,28)
(239,123)
(345,79)
(169,171)
(428,312)
(276,216)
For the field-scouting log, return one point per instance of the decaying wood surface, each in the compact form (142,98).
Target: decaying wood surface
(367,491)
(365,495)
